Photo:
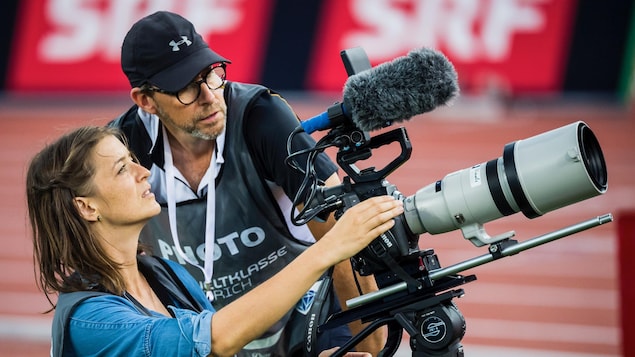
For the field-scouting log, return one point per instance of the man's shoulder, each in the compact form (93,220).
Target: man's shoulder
(139,141)
(241,86)
(126,119)
(238,92)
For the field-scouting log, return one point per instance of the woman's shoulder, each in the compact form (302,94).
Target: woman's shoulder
(177,274)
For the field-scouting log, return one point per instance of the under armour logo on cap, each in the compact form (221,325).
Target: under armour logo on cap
(175,45)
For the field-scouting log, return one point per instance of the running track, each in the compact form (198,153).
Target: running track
(559,299)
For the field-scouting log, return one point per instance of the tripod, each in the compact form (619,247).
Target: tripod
(428,314)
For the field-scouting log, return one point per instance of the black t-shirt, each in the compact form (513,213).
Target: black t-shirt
(267,135)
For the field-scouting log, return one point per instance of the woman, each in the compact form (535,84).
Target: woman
(88,200)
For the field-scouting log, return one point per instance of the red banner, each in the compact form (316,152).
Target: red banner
(74,45)
(514,46)
(517,46)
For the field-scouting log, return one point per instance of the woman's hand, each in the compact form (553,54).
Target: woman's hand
(358,226)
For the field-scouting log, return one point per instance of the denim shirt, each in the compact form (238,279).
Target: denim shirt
(111,325)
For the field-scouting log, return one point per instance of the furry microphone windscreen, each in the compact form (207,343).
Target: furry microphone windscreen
(400,89)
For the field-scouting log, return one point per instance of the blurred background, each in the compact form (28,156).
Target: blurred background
(524,66)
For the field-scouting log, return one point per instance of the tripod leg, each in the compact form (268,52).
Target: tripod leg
(395,333)
(348,346)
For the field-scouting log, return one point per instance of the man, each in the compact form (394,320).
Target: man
(217,150)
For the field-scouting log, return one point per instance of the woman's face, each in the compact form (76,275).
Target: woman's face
(121,190)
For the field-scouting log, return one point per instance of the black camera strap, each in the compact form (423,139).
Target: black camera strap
(317,314)
(381,252)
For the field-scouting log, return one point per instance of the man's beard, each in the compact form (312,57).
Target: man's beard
(189,128)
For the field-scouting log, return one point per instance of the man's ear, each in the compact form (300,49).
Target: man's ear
(86,210)
(143,100)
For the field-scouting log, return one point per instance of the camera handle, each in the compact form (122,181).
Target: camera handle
(355,145)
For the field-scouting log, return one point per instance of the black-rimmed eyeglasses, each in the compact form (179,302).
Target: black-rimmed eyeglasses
(213,77)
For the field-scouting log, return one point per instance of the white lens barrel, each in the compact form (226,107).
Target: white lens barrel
(535,175)
(555,169)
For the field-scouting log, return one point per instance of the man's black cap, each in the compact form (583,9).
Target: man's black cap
(165,50)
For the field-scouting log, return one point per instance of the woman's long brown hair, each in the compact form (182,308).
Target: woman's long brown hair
(66,253)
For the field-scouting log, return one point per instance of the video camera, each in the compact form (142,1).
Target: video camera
(533,176)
